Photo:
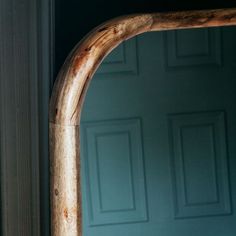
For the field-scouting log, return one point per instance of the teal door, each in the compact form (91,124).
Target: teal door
(158,137)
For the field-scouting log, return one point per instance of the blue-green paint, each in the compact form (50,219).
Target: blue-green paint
(158,137)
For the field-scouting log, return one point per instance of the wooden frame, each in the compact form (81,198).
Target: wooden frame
(69,92)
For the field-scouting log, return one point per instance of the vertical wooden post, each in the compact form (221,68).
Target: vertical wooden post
(65,180)
(70,89)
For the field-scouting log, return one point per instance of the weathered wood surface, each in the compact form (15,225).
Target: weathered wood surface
(70,89)
(65,181)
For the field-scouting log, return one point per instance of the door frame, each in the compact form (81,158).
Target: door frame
(68,97)
(26,72)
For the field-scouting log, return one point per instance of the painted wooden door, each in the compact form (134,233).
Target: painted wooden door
(158,137)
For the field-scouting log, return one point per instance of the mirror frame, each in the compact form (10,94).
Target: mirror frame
(69,92)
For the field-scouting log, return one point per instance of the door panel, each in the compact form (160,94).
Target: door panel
(199,159)
(158,137)
(119,179)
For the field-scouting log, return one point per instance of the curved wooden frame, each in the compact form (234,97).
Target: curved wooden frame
(69,92)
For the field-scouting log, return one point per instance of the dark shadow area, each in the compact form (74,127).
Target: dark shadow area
(75,18)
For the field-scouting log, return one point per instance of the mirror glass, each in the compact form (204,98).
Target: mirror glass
(158,136)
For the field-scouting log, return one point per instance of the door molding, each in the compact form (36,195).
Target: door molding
(26,29)
(69,92)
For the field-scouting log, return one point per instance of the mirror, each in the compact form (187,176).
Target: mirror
(197,112)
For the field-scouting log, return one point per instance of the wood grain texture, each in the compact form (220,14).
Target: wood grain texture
(70,89)
(65,181)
